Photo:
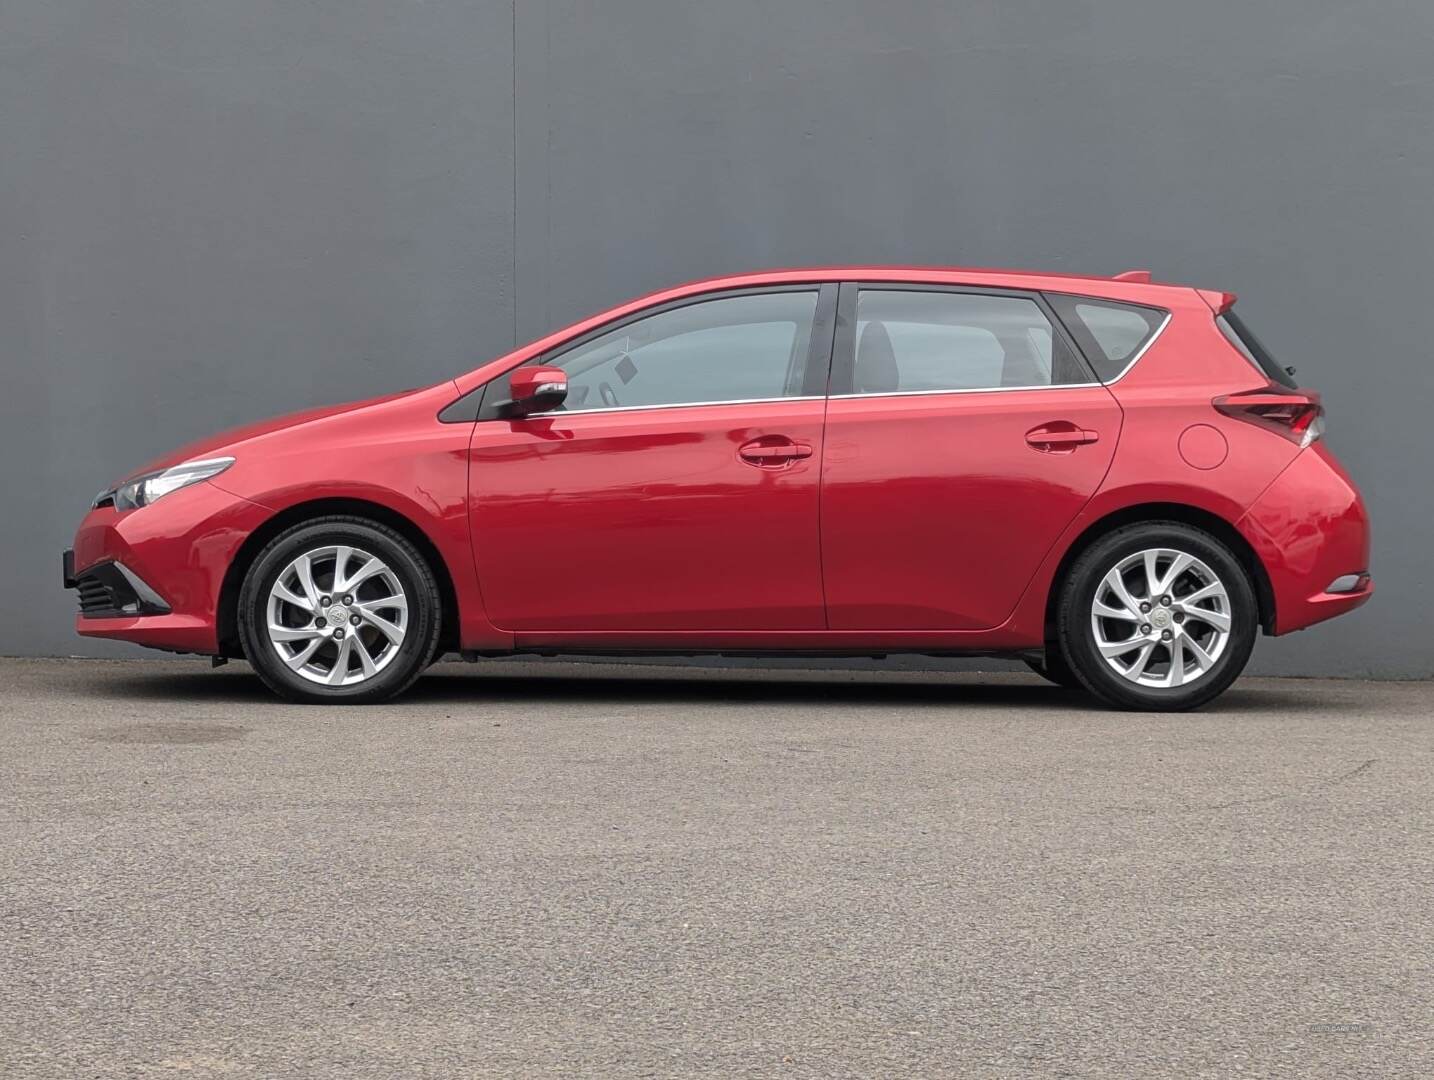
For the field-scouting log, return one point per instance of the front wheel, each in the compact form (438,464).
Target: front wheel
(1158,616)
(339,610)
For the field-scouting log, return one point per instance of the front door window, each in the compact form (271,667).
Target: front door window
(739,348)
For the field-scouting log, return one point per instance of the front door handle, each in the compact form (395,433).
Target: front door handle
(1060,437)
(768,454)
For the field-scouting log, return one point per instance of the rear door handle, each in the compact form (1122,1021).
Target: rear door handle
(767,454)
(1059,437)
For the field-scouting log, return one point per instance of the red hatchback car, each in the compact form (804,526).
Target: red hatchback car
(1108,478)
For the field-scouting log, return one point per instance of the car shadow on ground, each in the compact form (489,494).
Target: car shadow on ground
(582,684)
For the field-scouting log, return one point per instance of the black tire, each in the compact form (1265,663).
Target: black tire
(1077,638)
(1052,668)
(420,640)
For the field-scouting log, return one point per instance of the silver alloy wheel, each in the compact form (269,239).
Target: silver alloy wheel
(337,615)
(1161,618)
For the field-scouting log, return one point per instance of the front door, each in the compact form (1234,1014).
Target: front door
(677,487)
(963,435)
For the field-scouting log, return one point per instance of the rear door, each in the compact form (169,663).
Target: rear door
(963,434)
(677,489)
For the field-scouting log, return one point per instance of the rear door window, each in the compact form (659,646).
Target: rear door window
(932,341)
(1111,334)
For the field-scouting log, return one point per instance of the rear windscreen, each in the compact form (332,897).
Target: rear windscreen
(1110,334)
(1240,336)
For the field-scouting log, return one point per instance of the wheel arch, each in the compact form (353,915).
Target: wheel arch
(1186,514)
(227,621)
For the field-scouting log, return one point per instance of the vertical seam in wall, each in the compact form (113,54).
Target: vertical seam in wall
(547,167)
(513,283)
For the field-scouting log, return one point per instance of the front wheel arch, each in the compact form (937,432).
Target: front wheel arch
(1213,524)
(227,614)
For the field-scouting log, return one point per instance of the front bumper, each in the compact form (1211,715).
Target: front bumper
(1311,532)
(153,576)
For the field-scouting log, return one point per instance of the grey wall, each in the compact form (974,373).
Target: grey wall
(217,211)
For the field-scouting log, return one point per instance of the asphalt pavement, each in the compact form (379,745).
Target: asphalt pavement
(557,869)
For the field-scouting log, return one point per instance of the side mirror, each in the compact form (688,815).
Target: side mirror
(535,390)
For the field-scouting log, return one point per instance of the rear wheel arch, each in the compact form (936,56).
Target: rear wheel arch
(227,617)
(1186,514)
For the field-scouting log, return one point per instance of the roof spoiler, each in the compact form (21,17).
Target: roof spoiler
(1220,302)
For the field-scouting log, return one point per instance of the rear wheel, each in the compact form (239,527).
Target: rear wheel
(1158,616)
(339,610)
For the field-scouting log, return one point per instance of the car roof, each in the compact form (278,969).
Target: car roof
(1123,287)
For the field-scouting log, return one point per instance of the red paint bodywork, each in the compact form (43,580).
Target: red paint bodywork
(627,521)
(935,522)
(935,510)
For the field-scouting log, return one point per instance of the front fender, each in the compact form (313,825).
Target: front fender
(398,456)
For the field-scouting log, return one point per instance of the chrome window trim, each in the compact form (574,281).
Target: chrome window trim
(554,413)
(1159,330)
(971,390)
(1144,348)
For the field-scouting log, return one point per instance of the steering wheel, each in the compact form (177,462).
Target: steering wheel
(608,397)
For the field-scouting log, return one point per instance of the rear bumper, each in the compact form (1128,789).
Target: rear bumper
(1310,529)
(161,568)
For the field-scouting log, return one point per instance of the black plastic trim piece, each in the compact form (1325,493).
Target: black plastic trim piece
(843,376)
(817,376)
(109,590)
(465,409)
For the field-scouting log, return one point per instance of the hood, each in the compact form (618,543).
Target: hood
(214,445)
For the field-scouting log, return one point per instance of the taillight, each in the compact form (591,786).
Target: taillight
(1297,415)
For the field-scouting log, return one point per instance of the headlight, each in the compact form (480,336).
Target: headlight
(143,490)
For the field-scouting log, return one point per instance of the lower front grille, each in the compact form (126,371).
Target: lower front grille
(109,591)
(97,600)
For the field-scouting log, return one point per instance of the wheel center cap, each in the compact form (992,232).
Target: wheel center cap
(338,615)
(1160,618)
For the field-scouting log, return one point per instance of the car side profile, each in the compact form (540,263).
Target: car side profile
(1106,477)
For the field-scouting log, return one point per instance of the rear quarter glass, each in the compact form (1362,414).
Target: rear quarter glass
(1110,333)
